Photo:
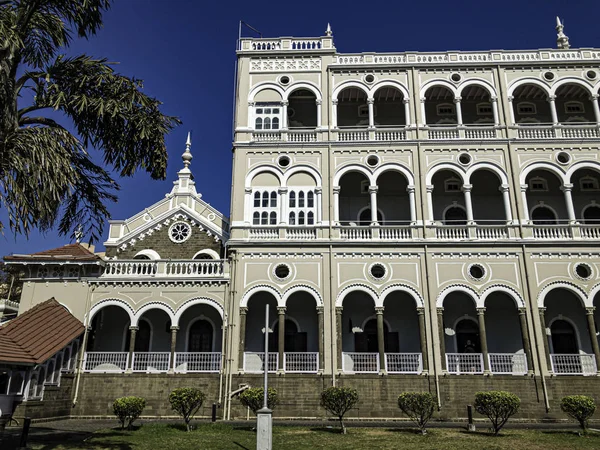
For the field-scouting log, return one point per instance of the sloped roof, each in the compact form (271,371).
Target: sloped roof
(66,252)
(36,335)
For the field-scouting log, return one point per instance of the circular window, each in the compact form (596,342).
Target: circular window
(476,271)
(377,271)
(464,159)
(284,161)
(456,77)
(284,80)
(282,271)
(583,271)
(373,160)
(549,76)
(563,157)
(180,232)
(591,74)
(369,78)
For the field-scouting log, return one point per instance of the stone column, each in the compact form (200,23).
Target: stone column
(334,103)
(412,203)
(589,312)
(338,337)
(319,108)
(525,338)
(132,335)
(174,331)
(380,338)
(248,205)
(504,188)
(284,119)
(373,194)
(423,115)
(511,110)
(442,337)
(423,337)
(468,204)
(283,207)
(318,205)
(336,205)
(242,338)
(524,202)
(321,336)
(429,189)
(406,103)
(370,102)
(495,110)
(281,347)
(551,100)
(459,117)
(594,100)
(567,188)
(251,115)
(542,312)
(483,339)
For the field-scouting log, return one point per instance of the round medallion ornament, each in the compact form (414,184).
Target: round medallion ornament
(212,217)
(180,232)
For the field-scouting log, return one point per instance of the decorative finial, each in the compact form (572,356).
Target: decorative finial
(562,40)
(328,32)
(187,155)
(78,234)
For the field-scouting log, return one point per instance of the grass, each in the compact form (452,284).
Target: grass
(226,437)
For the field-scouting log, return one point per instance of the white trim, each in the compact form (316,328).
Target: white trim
(453,205)
(456,288)
(353,168)
(364,208)
(374,317)
(152,305)
(528,80)
(519,302)
(111,302)
(459,171)
(580,294)
(542,205)
(393,167)
(209,252)
(152,254)
(400,288)
(302,288)
(550,167)
(287,317)
(262,288)
(197,301)
(355,288)
(499,171)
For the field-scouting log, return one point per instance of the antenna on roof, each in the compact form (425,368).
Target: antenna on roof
(562,40)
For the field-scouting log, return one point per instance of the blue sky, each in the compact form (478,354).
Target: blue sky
(184,50)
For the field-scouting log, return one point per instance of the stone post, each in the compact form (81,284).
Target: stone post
(594,100)
(248,205)
(423,337)
(406,102)
(370,102)
(283,207)
(524,202)
(174,331)
(483,340)
(281,343)
(318,207)
(459,117)
(336,205)
(525,338)
(542,312)
(567,188)
(552,101)
(373,194)
(338,337)
(380,338)
(319,104)
(334,104)
(320,310)
(429,189)
(511,110)
(504,188)
(132,335)
(589,312)
(494,100)
(411,200)
(442,337)
(284,118)
(468,204)
(242,338)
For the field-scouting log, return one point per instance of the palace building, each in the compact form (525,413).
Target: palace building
(412,221)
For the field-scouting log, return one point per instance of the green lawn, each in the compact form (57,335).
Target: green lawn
(223,436)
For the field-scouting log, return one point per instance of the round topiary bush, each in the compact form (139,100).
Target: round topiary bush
(578,407)
(186,402)
(253,398)
(498,406)
(418,406)
(338,401)
(128,409)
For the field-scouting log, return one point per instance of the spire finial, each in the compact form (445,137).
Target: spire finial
(562,40)
(78,234)
(328,32)
(187,154)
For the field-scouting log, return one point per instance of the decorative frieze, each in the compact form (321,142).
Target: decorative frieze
(285,64)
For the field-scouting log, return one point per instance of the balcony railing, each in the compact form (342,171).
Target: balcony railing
(197,362)
(376,232)
(254,362)
(151,361)
(105,361)
(552,231)
(353,233)
(451,232)
(301,362)
(468,363)
(443,133)
(292,135)
(590,231)
(567,364)
(508,363)
(164,269)
(266,233)
(300,233)
(563,130)
(353,362)
(403,363)
(361,134)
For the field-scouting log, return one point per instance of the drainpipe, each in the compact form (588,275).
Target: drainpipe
(83,347)
(229,378)
(332,316)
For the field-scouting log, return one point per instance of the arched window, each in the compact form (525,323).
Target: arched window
(200,338)
(467,337)
(538,184)
(258,125)
(49,372)
(310,218)
(452,185)
(591,215)
(455,215)
(265,199)
(526,108)
(543,215)
(445,109)
(33,385)
(257,199)
(310,199)
(256,218)
(267,123)
(273,218)
(365,217)
(275,123)
(301,218)
(264,218)
(302,202)
(301,199)
(40,383)
(589,184)
(574,107)
(292,199)
(292,219)
(273,199)
(564,339)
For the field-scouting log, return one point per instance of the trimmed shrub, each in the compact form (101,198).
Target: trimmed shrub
(578,407)
(186,402)
(338,401)
(498,406)
(253,398)
(128,409)
(418,406)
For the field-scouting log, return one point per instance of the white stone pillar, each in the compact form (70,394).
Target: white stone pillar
(336,205)
(429,189)
(284,118)
(423,115)
(468,204)
(373,194)
(319,109)
(594,100)
(459,117)
(334,121)
(370,102)
(552,101)
(411,200)
(248,205)
(251,115)
(406,102)
(511,110)
(567,188)
(504,188)
(495,110)
(318,207)
(524,201)
(283,207)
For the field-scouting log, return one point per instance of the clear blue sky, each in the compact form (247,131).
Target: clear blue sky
(184,50)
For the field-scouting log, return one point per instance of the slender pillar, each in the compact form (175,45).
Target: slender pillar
(319,109)
(251,114)
(468,204)
(373,194)
(321,338)
(511,109)
(545,338)
(423,337)
(552,101)
(406,103)
(242,338)
(334,122)
(336,205)
(174,331)
(495,110)
(281,346)
(589,312)
(524,202)
(567,188)
(132,335)
(412,204)
(483,339)
(442,337)
(370,102)
(429,189)
(525,338)
(284,118)
(423,115)
(459,117)
(248,205)
(594,100)
(504,188)
(338,337)
(318,207)
(283,207)
(380,338)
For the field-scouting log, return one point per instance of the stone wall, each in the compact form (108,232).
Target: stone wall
(56,402)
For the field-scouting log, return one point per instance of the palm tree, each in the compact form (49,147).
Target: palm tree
(46,174)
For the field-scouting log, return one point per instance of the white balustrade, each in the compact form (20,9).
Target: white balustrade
(552,232)
(464,363)
(590,231)
(403,362)
(353,135)
(266,45)
(162,268)
(197,362)
(130,268)
(105,361)
(151,361)
(301,233)
(270,136)
(536,132)
(390,135)
(301,362)
(195,268)
(254,362)
(451,232)
(355,233)
(480,132)
(302,136)
(491,232)
(508,363)
(569,364)
(263,233)
(580,131)
(443,133)
(306,44)
(395,233)
(353,362)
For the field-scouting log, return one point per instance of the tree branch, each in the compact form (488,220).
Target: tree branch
(40,121)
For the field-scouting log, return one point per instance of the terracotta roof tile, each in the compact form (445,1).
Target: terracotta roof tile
(39,333)
(66,252)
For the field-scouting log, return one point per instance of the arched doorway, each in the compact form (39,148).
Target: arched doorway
(295,340)
(591,215)
(564,338)
(543,215)
(365,217)
(200,337)
(467,337)
(455,215)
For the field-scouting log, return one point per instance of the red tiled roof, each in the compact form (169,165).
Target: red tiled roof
(36,335)
(66,252)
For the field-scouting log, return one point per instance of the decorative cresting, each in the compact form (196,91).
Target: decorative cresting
(153,305)
(586,301)
(111,302)
(198,301)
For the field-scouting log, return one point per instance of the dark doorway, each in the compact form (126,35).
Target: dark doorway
(295,341)
(564,340)
(543,216)
(366,342)
(200,337)
(467,337)
(455,216)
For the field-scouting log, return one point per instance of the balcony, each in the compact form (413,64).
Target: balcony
(197,362)
(296,136)
(151,362)
(464,363)
(254,362)
(354,362)
(106,362)
(293,362)
(569,364)
(565,131)
(508,363)
(131,269)
(479,132)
